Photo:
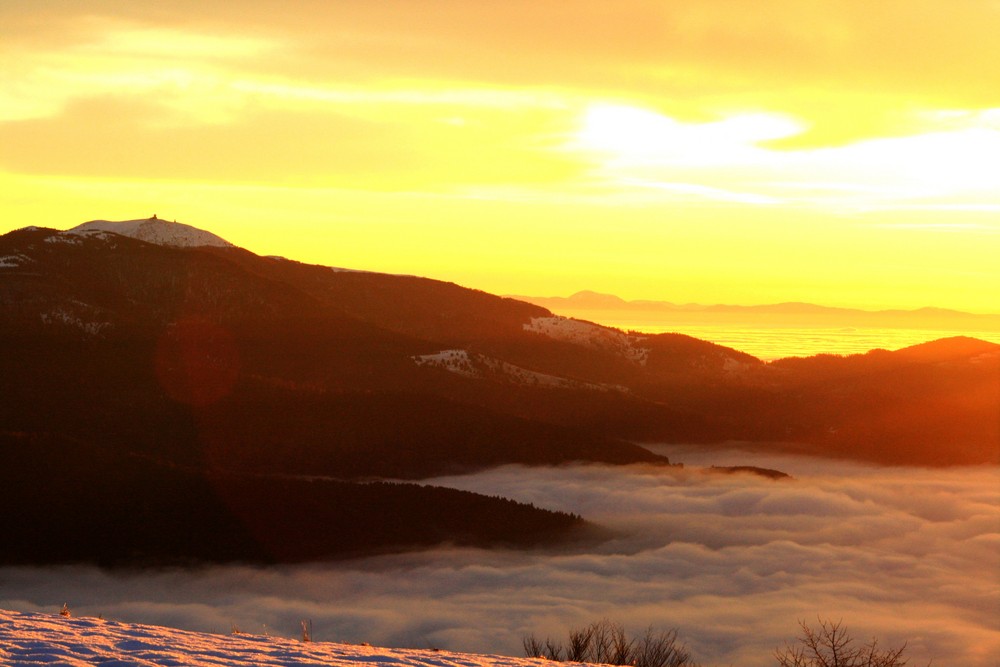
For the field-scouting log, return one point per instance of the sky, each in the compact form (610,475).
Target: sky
(733,562)
(844,153)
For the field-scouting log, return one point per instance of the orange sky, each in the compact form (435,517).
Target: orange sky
(845,153)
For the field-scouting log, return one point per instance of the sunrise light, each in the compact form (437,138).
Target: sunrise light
(452,325)
(649,152)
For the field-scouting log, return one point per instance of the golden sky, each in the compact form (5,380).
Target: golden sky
(720,151)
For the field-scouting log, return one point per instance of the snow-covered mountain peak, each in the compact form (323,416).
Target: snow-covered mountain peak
(153,230)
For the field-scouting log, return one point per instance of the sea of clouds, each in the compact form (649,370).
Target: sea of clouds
(734,562)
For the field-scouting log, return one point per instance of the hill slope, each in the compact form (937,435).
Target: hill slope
(33,639)
(211,355)
(211,373)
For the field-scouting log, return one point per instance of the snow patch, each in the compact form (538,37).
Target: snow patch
(454,361)
(13,261)
(153,230)
(731,365)
(62,316)
(35,638)
(65,239)
(984,357)
(466,364)
(88,233)
(591,335)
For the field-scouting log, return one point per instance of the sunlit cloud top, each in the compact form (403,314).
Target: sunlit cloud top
(736,159)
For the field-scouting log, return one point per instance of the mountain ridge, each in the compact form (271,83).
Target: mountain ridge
(396,335)
(587,301)
(193,365)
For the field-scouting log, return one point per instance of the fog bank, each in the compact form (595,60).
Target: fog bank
(732,561)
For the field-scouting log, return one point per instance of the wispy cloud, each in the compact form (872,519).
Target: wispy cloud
(952,163)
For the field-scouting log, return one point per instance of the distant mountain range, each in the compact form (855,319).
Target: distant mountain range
(608,306)
(169,399)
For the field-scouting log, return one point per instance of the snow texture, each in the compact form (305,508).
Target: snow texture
(62,316)
(591,335)
(454,361)
(13,261)
(65,239)
(466,364)
(47,639)
(152,230)
(731,365)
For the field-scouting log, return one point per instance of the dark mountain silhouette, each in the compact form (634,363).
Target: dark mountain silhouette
(204,368)
(957,348)
(203,350)
(770,473)
(214,355)
(70,501)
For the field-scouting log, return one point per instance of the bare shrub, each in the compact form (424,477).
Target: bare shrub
(831,646)
(607,642)
(579,644)
(661,649)
(532,647)
(553,651)
(601,642)
(622,648)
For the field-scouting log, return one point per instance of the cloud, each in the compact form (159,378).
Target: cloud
(745,158)
(341,146)
(734,562)
(689,103)
(850,65)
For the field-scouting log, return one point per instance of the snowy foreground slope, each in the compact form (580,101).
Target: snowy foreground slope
(37,639)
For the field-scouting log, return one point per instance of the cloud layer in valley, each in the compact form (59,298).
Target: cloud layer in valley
(732,561)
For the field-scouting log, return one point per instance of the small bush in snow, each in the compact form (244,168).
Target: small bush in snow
(831,646)
(608,643)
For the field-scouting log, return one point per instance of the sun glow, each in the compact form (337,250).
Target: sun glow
(735,159)
(635,135)
(645,151)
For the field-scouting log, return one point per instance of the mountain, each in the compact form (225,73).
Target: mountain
(154,230)
(588,304)
(303,369)
(147,385)
(949,349)
(229,380)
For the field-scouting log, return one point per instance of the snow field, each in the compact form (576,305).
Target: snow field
(47,639)
(462,362)
(591,335)
(153,230)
